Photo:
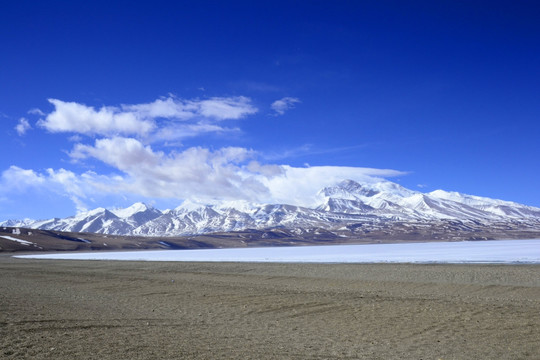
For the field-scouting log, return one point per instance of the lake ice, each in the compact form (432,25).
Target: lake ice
(500,251)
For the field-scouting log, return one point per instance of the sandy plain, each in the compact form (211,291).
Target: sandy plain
(58,309)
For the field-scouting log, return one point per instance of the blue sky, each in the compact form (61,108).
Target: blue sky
(105,103)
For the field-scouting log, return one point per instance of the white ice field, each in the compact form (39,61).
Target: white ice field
(499,252)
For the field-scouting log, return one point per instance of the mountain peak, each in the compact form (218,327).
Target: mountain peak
(131,210)
(190,205)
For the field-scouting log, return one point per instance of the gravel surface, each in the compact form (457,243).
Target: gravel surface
(54,309)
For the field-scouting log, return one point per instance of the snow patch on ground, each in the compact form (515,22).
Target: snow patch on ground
(501,251)
(24,242)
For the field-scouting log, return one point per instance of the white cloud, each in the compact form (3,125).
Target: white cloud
(22,127)
(225,174)
(142,119)
(121,153)
(62,182)
(194,173)
(17,178)
(68,181)
(79,118)
(282,105)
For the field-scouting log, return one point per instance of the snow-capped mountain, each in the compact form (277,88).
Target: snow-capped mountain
(344,205)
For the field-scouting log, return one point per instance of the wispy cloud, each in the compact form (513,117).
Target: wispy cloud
(222,108)
(282,105)
(218,108)
(23,126)
(75,138)
(257,86)
(36,111)
(181,131)
(308,150)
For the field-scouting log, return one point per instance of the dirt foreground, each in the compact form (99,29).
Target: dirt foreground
(53,309)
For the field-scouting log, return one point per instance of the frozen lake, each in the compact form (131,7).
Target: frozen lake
(501,251)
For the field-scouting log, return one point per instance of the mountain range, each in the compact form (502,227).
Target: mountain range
(341,209)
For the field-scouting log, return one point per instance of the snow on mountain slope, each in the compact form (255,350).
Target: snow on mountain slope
(17,223)
(496,207)
(99,220)
(348,202)
(390,199)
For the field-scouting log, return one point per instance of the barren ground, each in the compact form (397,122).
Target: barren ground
(144,310)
